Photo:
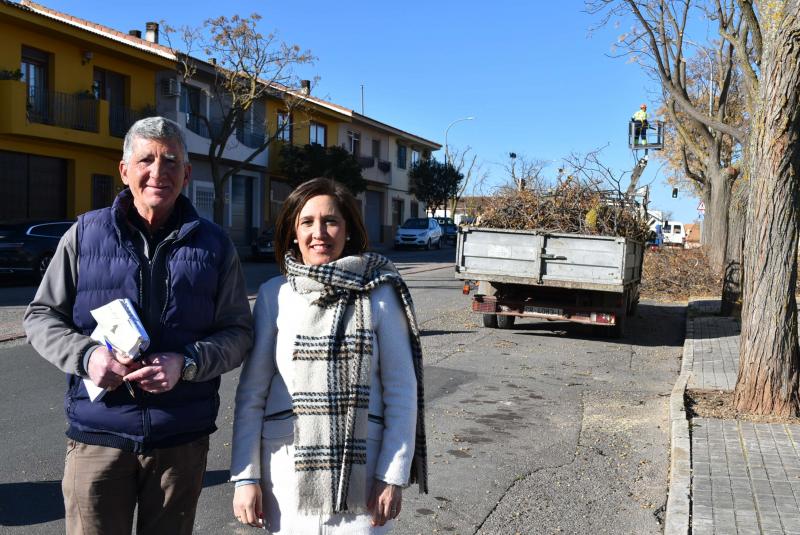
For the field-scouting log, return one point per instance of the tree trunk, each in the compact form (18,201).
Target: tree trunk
(768,367)
(717,206)
(219,189)
(732,276)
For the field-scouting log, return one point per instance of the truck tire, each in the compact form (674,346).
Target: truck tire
(490,321)
(633,303)
(618,330)
(505,322)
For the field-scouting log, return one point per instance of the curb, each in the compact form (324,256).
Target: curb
(676,520)
(7,337)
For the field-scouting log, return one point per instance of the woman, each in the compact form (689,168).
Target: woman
(329,424)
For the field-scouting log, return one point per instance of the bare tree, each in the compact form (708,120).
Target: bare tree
(524,172)
(768,366)
(245,69)
(704,133)
(466,164)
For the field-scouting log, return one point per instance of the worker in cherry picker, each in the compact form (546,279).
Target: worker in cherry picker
(639,121)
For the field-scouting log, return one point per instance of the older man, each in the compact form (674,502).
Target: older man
(183,275)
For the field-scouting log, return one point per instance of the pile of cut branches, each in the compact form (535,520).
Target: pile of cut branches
(570,206)
(673,274)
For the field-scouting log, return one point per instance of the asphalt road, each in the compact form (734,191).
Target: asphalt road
(539,429)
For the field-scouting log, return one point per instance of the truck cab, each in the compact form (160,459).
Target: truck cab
(674,233)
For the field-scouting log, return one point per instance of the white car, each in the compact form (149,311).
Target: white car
(419,232)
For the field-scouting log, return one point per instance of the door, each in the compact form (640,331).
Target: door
(241,209)
(373,216)
(32,186)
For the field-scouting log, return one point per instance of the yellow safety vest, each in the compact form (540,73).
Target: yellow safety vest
(640,115)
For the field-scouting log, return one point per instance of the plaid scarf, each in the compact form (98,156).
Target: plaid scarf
(331,391)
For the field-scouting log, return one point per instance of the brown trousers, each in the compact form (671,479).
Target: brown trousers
(102,487)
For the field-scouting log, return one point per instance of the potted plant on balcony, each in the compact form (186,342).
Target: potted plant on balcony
(16,74)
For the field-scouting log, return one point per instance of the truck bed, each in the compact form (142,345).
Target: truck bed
(532,257)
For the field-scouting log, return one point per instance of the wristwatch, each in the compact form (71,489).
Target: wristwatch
(189,368)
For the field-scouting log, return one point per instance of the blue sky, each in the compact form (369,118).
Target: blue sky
(535,80)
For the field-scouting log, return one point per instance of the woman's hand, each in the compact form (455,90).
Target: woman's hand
(247,505)
(384,502)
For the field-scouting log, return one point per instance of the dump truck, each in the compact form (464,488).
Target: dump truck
(590,279)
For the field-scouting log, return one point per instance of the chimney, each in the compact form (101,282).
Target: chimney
(305,87)
(136,33)
(151,32)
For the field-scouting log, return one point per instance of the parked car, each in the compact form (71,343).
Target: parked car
(26,247)
(419,232)
(263,247)
(445,221)
(450,232)
(674,233)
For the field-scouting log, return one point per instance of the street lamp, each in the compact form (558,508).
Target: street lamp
(445,135)
(711,76)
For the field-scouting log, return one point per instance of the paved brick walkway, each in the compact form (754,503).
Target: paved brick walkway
(715,361)
(745,476)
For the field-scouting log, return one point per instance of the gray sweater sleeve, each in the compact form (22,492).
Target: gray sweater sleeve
(48,318)
(226,347)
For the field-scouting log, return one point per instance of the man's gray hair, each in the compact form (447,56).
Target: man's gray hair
(154,128)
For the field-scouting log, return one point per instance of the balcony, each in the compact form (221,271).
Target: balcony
(196,124)
(121,118)
(384,166)
(366,161)
(74,111)
(249,138)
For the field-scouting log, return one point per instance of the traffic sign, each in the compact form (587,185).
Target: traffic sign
(701,207)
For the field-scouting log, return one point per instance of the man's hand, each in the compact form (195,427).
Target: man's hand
(106,369)
(247,505)
(384,502)
(160,373)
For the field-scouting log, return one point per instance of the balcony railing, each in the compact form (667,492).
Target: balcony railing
(197,125)
(366,161)
(121,118)
(77,112)
(249,138)
(384,166)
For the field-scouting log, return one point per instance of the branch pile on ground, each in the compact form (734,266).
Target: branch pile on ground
(569,207)
(673,274)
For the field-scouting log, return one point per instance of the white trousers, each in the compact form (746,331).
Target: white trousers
(279,489)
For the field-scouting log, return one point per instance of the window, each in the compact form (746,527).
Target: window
(376,148)
(193,104)
(354,139)
(414,157)
(110,86)
(318,133)
(414,209)
(402,156)
(34,74)
(102,191)
(284,127)
(49,230)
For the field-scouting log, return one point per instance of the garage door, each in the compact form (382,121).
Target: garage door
(32,186)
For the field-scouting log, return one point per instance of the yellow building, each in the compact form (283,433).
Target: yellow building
(69,90)
(384,152)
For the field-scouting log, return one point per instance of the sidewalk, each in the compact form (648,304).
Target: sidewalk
(727,476)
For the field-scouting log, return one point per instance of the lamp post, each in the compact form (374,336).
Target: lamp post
(445,135)
(711,75)
(446,148)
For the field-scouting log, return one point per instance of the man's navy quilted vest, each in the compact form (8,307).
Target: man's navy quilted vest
(109,268)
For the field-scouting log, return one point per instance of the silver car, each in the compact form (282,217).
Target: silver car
(419,232)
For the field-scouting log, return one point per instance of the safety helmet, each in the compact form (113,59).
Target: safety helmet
(643,106)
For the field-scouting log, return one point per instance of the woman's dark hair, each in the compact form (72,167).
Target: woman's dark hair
(293,205)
